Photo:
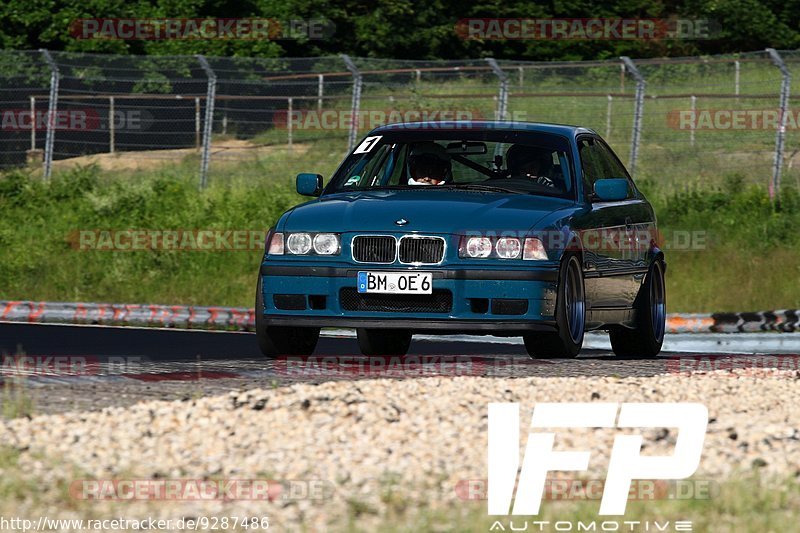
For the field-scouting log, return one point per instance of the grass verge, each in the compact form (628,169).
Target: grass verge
(741,505)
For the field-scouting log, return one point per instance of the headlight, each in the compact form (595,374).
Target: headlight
(477,247)
(508,248)
(530,248)
(276,244)
(326,243)
(298,243)
(534,250)
(303,243)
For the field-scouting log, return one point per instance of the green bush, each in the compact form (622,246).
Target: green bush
(38,232)
(751,257)
(734,213)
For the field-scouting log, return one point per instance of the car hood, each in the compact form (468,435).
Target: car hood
(425,211)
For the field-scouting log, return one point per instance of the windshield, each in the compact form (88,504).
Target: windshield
(501,161)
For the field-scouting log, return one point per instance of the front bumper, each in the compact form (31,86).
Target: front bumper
(467,286)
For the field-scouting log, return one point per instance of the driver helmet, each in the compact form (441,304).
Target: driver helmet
(429,160)
(520,160)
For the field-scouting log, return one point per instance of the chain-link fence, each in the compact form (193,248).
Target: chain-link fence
(670,119)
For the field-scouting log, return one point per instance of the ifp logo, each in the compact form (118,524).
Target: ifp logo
(625,465)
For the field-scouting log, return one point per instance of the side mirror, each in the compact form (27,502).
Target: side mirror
(309,184)
(611,189)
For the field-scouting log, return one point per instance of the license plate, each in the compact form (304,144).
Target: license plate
(396,282)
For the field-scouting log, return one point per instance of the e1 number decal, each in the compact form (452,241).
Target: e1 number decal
(368,144)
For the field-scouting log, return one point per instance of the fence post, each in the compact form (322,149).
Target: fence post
(111,126)
(320,92)
(693,104)
(780,135)
(502,95)
(356,101)
(197,122)
(52,109)
(638,110)
(33,123)
(608,116)
(736,67)
(209,123)
(289,112)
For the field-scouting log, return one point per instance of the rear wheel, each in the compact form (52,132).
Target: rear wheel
(383,341)
(570,317)
(646,338)
(282,340)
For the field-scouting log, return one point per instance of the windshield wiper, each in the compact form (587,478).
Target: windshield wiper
(377,188)
(446,186)
(479,187)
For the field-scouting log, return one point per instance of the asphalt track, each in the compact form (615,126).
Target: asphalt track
(69,367)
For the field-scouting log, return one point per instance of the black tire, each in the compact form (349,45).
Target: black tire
(275,341)
(570,316)
(645,339)
(383,341)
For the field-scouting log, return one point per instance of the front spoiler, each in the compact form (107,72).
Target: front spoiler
(439,326)
(539,274)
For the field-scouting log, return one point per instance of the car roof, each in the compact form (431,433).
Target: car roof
(503,125)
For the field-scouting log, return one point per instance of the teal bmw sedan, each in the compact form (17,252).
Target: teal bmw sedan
(484,228)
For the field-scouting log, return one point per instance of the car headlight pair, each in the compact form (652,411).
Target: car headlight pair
(304,244)
(529,249)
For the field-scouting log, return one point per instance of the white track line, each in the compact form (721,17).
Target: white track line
(745,343)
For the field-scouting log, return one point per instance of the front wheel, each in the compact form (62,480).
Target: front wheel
(383,341)
(284,340)
(570,317)
(646,338)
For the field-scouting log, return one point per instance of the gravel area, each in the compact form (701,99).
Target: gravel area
(185,380)
(360,438)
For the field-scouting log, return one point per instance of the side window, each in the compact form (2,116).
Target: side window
(591,168)
(611,167)
(599,162)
